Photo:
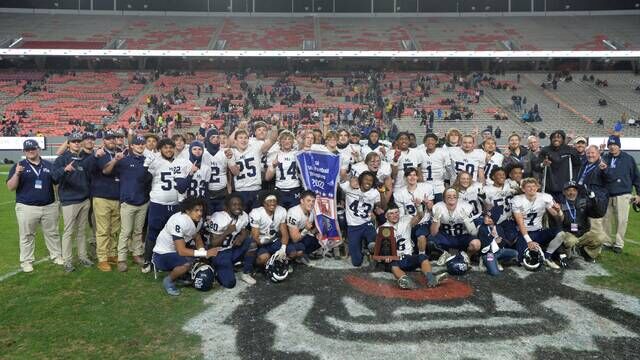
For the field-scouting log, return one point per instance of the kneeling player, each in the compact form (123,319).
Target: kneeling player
(302,229)
(228,231)
(528,211)
(360,199)
(171,253)
(408,261)
(492,237)
(453,228)
(269,230)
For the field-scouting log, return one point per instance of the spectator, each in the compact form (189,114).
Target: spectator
(498,132)
(600,122)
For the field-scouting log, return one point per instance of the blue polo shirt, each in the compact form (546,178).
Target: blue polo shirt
(35,186)
(134,188)
(104,186)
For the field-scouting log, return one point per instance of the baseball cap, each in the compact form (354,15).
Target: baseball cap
(88,135)
(74,137)
(613,140)
(110,134)
(120,133)
(579,139)
(30,145)
(570,184)
(138,140)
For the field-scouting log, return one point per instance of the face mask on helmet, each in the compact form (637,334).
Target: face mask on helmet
(456,265)
(277,270)
(532,260)
(202,276)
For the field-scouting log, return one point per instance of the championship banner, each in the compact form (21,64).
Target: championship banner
(320,171)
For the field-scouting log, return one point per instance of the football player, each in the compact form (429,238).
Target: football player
(195,182)
(498,199)
(163,169)
(402,225)
(407,198)
(528,211)
(468,158)
(346,149)
(228,230)
(373,162)
(435,163)
(217,159)
(401,158)
(373,144)
(470,192)
(283,167)
(269,231)
(493,158)
(360,200)
(170,252)
(246,170)
(301,225)
(453,228)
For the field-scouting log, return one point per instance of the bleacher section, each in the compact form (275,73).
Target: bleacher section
(572,107)
(380,33)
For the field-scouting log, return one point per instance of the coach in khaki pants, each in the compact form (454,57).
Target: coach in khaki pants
(105,191)
(35,204)
(134,200)
(70,171)
(622,174)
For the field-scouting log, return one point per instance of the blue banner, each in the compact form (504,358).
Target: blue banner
(320,171)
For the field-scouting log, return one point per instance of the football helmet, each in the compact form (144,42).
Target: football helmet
(532,260)
(276,269)
(456,265)
(202,276)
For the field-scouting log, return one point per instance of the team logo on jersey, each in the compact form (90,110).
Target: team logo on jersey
(341,313)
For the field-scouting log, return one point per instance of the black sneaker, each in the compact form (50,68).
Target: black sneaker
(617,250)
(146,267)
(585,256)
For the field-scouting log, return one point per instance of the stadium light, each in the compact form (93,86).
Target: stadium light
(637,5)
(56,4)
(567,7)
(487,8)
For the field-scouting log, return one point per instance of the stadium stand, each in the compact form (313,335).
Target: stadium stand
(525,33)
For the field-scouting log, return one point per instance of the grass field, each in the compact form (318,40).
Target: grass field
(89,314)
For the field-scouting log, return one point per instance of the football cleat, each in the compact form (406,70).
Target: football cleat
(443,258)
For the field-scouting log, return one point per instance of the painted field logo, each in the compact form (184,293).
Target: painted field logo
(352,314)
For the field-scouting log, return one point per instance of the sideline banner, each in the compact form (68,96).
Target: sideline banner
(320,171)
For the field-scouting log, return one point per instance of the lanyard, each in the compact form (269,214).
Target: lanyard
(39,167)
(572,212)
(587,170)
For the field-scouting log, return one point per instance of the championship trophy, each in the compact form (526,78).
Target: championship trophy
(385,248)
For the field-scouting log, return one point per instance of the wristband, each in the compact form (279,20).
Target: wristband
(200,252)
(283,247)
(528,238)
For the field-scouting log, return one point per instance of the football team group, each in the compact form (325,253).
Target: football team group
(198,206)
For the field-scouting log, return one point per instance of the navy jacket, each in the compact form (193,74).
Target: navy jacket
(73,187)
(134,182)
(27,193)
(104,186)
(622,173)
(579,212)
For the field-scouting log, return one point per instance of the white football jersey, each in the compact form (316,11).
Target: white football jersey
(471,196)
(533,211)
(253,142)
(496,161)
(452,222)
(287,175)
(179,226)
(249,161)
(269,225)
(348,151)
(469,162)
(365,149)
(148,156)
(217,165)
(359,205)
(384,171)
(184,154)
(402,233)
(297,218)
(220,221)
(344,160)
(163,185)
(499,196)
(198,184)
(434,168)
(404,198)
(409,158)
